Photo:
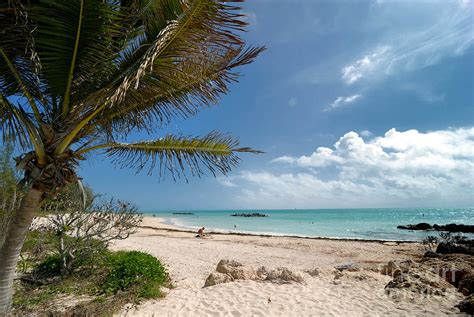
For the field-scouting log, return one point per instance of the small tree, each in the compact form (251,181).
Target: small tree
(83,226)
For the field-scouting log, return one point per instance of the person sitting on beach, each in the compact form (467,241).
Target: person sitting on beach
(200,233)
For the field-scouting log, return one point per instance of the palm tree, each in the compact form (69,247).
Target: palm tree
(77,76)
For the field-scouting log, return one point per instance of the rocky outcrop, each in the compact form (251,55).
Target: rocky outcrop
(431,254)
(418,282)
(395,268)
(313,272)
(467,305)
(451,267)
(229,271)
(433,275)
(282,275)
(452,247)
(413,277)
(452,227)
(466,284)
(217,278)
(236,270)
(254,214)
(351,267)
(419,226)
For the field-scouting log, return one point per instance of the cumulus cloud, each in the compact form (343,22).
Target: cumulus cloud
(342,101)
(451,35)
(403,169)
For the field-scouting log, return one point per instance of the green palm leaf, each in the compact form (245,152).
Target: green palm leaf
(182,63)
(177,154)
(13,129)
(76,45)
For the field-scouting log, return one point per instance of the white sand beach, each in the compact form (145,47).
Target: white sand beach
(190,260)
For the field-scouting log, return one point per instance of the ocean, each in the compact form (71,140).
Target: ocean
(372,224)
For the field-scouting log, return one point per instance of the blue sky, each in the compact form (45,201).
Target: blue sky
(355,103)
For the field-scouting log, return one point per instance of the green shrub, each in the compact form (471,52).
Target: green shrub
(51,266)
(134,271)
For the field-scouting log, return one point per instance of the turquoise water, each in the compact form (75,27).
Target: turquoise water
(379,224)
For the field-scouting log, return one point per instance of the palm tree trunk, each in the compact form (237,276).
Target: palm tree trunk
(10,251)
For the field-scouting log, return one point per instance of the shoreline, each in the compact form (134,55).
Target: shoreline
(175,228)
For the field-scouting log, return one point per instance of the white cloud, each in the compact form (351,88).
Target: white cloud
(293,102)
(226,182)
(341,101)
(402,169)
(364,66)
(412,49)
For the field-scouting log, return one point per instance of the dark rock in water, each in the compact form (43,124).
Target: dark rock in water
(419,226)
(254,214)
(452,227)
(467,305)
(450,247)
(183,213)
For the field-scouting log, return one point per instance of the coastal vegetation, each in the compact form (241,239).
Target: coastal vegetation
(77,77)
(65,263)
(98,284)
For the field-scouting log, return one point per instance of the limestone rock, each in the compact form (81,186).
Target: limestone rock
(395,268)
(351,267)
(228,271)
(314,272)
(237,270)
(431,254)
(283,275)
(452,267)
(217,278)
(419,282)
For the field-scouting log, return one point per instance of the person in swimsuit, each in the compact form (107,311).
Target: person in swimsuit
(200,233)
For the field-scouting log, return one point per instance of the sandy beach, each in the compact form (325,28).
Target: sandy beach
(360,292)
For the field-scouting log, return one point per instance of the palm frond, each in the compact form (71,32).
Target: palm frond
(11,128)
(176,154)
(22,85)
(175,91)
(19,62)
(76,46)
(183,62)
